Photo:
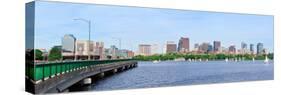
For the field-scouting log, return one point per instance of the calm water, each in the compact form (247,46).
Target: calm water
(170,73)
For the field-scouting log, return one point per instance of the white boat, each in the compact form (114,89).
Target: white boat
(155,61)
(179,59)
(253,59)
(266,60)
(226,59)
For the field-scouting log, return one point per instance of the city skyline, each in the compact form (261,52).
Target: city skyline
(69,43)
(140,25)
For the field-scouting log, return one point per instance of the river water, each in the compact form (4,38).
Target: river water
(171,73)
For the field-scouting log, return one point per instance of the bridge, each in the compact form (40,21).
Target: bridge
(55,77)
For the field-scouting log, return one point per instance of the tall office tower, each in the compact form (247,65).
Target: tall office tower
(196,47)
(232,49)
(217,46)
(259,48)
(68,46)
(171,47)
(252,50)
(204,47)
(243,48)
(183,46)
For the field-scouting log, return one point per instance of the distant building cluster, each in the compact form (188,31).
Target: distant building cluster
(82,49)
(74,49)
(216,47)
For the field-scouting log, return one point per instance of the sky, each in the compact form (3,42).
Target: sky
(136,25)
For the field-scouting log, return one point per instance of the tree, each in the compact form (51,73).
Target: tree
(38,54)
(271,56)
(55,54)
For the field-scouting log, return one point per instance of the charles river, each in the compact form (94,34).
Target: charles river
(175,73)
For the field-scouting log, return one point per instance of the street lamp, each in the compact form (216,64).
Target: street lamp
(89,26)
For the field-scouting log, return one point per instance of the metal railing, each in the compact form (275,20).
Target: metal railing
(45,70)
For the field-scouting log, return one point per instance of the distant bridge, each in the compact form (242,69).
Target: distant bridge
(59,76)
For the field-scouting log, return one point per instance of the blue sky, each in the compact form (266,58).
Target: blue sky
(137,25)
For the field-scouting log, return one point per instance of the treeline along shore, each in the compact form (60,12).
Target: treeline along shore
(173,56)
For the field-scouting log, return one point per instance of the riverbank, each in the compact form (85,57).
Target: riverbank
(175,56)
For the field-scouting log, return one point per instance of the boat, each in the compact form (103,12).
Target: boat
(253,59)
(155,61)
(266,60)
(179,59)
(226,59)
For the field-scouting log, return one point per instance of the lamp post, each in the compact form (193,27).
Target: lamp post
(89,26)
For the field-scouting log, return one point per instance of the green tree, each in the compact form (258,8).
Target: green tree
(172,56)
(55,54)
(38,54)
(271,56)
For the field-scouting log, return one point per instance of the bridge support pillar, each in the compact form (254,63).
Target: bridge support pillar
(101,75)
(87,81)
(133,65)
(114,71)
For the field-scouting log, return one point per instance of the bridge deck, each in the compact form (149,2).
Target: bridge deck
(61,79)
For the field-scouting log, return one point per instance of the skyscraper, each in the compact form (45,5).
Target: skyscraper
(68,43)
(183,46)
(217,46)
(232,49)
(171,47)
(145,49)
(196,47)
(259,48)
(204,47)
(243,47)
(252,48)
(210,48)
(68,46)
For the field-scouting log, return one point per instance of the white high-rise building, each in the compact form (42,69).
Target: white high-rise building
(68,46)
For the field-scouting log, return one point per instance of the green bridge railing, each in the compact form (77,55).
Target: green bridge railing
(39,71)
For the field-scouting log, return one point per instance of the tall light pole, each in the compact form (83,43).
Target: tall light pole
(89,26)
